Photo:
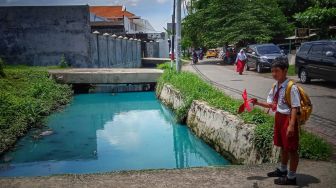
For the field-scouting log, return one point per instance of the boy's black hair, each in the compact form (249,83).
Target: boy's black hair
(280,62)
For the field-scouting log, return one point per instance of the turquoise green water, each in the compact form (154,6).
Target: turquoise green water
(104,132)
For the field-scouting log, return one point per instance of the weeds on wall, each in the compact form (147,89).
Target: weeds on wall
(194,88)
(63,62)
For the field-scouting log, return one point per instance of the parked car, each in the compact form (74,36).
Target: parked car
(316,59)
(284,47)
(211,53)
(261,56)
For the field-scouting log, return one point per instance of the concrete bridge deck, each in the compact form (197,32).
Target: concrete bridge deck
(105,75)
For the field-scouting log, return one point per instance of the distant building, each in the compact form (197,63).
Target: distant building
(117,20)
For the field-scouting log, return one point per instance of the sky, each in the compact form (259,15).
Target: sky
(157,12)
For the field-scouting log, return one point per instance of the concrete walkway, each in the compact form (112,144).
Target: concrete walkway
(310,174)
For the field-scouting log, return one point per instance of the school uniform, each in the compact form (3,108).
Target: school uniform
(282,110)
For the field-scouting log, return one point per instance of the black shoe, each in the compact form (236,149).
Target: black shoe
(277,173)
(285,181)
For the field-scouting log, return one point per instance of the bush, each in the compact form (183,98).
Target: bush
(313,147)
(194,88)
(27,95)
(163,66)
(2,66)
(63,63)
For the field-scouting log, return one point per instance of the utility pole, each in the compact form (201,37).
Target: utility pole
(173,37)
(178,36)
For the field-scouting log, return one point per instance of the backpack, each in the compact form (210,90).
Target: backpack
(306,107)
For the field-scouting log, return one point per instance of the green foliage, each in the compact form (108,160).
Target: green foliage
(313,147)
(27,95)
(63,62)
(219,22)
(291,70)
(194,88)
(2,66)
(163,66)
(317,17)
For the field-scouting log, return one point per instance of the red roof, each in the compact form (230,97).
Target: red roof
(110,12)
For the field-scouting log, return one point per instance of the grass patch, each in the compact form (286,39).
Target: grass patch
(194,88)
(27,95)
(291,70)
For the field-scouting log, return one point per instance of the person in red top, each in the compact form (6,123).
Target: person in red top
(286,130)
(240,61)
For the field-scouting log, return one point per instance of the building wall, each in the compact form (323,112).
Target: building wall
(40,35)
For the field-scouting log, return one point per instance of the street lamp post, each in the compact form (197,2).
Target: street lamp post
(172,55)
(178,35)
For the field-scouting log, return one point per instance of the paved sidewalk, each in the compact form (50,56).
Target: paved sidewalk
(310,174)
(323,120)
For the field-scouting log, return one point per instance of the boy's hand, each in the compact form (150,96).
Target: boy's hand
(290,130)
(254,101)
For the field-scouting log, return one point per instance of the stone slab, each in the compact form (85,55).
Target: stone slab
(105,76)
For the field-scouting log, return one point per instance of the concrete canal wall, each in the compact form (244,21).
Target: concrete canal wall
(226,133)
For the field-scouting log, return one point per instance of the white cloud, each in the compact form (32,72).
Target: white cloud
(161,1)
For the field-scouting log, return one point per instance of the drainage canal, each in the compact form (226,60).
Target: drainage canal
(104,132)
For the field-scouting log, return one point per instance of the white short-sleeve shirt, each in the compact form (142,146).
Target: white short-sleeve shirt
(282,106)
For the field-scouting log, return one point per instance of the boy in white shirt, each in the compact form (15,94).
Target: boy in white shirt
(286,130)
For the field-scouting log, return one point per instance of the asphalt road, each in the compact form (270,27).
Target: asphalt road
(323,94)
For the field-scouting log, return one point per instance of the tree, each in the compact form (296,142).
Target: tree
(218,22)
(317,17)
(291,7)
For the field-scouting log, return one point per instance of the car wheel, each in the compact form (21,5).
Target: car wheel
(304,78)
(247,67)
(259,68)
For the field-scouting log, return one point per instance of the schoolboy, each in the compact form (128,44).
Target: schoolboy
(286,130)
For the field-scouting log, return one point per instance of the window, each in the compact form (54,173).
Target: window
(304,49)
(329,48)
(268,50)
(316,49)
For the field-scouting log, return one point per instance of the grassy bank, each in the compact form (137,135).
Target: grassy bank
(194,88)
(291,70)
(27,95)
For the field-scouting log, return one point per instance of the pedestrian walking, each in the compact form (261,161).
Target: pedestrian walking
(240,61)
(194,57)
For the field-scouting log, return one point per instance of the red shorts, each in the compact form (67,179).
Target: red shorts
(280,133)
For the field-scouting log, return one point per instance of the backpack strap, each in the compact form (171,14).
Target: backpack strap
(288,93)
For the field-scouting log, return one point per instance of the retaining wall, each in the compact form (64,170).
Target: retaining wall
(226,133)
(113,52)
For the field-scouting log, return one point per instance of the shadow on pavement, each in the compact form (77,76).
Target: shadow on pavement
(303,180)
(328,84)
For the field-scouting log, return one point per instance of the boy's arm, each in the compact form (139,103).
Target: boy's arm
(295,104)
(262,104)
(267,104)
(292,122)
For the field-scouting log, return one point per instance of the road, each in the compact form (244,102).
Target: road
(323,94)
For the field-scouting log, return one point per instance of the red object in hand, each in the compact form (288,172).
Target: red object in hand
(246,104)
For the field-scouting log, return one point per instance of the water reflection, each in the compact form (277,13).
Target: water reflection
(101,132)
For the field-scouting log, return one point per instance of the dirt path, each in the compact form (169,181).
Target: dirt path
(310,174)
